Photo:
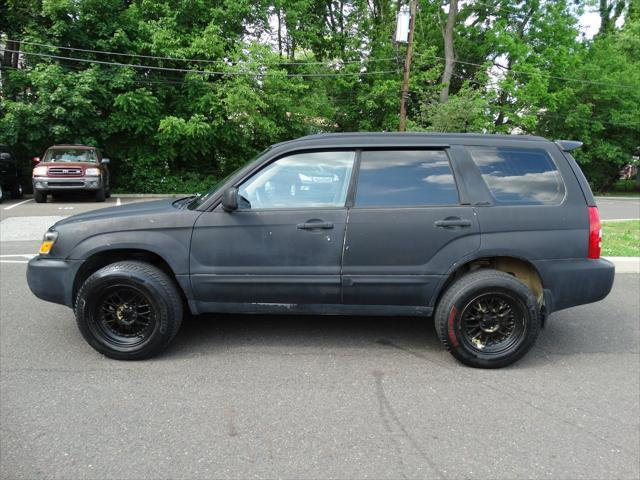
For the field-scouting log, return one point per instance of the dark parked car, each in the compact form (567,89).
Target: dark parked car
(65,168)
(10,184)
(487,234)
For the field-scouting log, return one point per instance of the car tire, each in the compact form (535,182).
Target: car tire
(39,197)
(488,319)
(17,191)
(100,195)
(107,193)
(139,325)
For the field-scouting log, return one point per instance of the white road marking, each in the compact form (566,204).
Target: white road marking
(25,255)
(66,208)
(19,203)
(118,203)
(14,261)
(606,220)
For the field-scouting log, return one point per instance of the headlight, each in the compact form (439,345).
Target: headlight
(47,242)
(40,171)
(92,171)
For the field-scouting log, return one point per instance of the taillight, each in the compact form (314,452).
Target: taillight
(595,233)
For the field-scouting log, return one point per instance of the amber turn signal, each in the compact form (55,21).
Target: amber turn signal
(47,242)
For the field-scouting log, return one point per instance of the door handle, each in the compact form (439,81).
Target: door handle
(452,222)
(315,225)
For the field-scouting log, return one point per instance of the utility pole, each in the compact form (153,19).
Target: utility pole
(407,66)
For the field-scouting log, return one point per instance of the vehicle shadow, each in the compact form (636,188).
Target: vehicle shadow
(205,334)
(73,197)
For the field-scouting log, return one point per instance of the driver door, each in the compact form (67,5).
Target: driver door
(284,243)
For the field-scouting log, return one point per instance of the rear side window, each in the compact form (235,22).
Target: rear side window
(405,178)
(518,175)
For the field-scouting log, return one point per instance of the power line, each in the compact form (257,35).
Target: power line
(192,60)
(202,72)
(547,75)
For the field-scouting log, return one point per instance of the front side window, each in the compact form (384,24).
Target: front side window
(303,180)
(70,155)
(519,175)
(397,178)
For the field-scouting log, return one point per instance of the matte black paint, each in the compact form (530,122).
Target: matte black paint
(373,261)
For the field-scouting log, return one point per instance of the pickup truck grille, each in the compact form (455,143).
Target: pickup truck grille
(63,172)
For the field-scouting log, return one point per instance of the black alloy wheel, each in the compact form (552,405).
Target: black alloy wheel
(129,310)
(125,316)
(493,322)
(488,319)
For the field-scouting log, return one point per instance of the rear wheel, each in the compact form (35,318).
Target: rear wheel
(488,319)
(129,310)
(17,190)
(39,197)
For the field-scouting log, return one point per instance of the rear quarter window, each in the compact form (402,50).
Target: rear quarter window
(519,176)
(405,178)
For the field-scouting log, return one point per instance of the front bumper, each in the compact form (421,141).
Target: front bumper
(46,184)
(52,279)
(568,283)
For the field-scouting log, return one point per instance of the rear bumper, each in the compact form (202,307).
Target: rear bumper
(572,282)
(47,184)
(52,280)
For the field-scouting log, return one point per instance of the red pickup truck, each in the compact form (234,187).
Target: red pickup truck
(71,168)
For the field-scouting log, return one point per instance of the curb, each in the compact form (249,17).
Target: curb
(625,264)
(613,197)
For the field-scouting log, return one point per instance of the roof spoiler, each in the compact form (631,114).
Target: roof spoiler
(568,145)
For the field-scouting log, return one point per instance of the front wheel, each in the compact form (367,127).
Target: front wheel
(129,310)
(100,194)
(39,197)
(488,319)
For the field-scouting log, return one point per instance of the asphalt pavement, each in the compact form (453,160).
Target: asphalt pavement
(618,208)
(311,397)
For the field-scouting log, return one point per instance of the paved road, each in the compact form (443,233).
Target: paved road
(337,397)
(618,208)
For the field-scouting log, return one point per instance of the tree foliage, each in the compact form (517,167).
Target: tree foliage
(200,86)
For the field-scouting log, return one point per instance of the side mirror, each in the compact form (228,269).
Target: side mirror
(105,161)
(35,160)
(230,199)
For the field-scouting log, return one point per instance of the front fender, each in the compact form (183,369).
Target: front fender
(172,245)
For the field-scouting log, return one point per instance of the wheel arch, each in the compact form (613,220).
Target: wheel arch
(102,258)
(521,268)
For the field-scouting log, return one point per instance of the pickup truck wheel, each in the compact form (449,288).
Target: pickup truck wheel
(488,319)
(39,197)
(100,195)
(17,191)
(129,310)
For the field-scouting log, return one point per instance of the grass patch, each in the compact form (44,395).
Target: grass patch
(621,239)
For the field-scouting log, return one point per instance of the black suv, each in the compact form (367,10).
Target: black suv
(10,183)
(487,234)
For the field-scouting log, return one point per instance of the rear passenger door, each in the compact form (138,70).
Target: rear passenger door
(405,229)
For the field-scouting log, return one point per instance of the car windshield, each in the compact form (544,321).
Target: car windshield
(200,199)
(70,155)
